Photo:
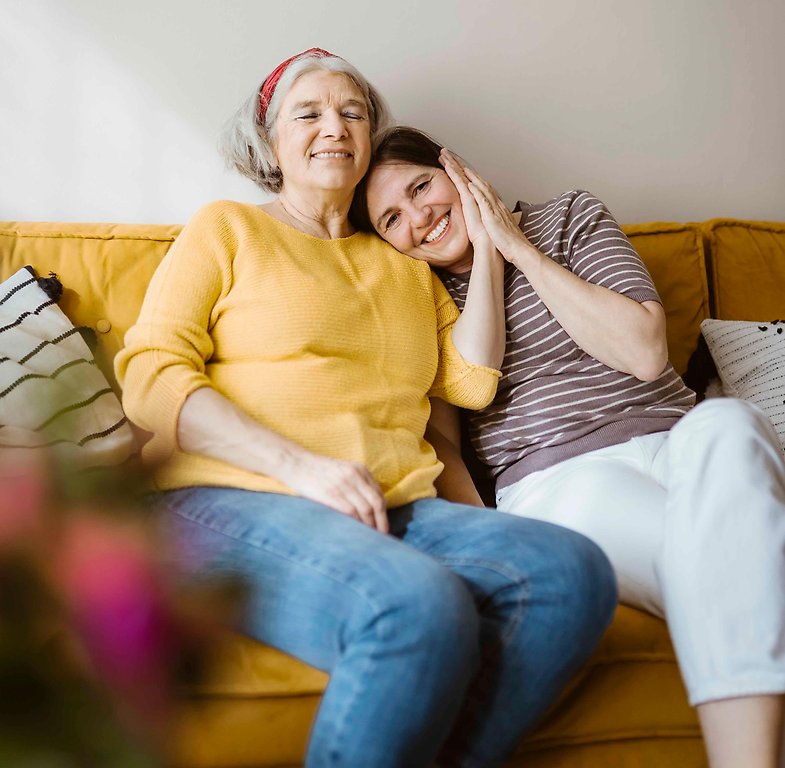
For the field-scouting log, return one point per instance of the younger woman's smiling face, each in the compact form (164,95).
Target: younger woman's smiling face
(417,209)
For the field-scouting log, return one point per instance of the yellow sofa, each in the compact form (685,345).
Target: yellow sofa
(627,708)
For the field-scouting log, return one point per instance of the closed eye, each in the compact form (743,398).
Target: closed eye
(353,116)
(309,116)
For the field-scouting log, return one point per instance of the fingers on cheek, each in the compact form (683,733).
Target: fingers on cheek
(479,196)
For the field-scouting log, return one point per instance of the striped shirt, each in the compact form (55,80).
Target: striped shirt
(555,401)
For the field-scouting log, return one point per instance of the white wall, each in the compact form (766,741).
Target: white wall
(667,109)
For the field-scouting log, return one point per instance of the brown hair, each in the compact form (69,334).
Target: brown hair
(400,145)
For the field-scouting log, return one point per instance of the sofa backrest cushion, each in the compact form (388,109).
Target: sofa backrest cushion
(104,268)
(748,269)
(674,255)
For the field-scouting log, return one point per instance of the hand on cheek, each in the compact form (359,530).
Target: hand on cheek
(496,217)
(471,212)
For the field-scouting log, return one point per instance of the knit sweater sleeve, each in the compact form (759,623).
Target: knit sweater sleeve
(165,352)
(458,381)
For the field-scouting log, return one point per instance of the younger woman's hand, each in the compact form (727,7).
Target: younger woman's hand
(454,168)
(496,217)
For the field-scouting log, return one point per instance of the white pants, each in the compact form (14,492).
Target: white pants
(693,521)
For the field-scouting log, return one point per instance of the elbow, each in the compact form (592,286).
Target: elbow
(652,345)
(497,355)
(648,374)
(651,366)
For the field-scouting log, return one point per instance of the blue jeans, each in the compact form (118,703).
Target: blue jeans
(445,640)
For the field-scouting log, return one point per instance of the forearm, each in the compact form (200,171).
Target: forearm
(212,426)
(622,333)
(443,433)
(479,333)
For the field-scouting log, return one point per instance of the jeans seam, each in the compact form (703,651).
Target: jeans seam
(515,582)
(472,703)
(491,565)
(339,729)
(305,563)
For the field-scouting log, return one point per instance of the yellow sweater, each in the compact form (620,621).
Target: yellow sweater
(335,344)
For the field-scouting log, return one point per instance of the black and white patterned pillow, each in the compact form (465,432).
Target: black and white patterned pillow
(52,394)
(750,359)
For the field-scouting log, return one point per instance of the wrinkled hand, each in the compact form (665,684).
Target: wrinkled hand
(496,217)
(455,167)
(346,486)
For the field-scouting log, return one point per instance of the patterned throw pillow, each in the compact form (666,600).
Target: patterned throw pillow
(750,358)
(52,394)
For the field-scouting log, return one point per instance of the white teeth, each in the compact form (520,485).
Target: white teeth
(437,230)
(332,154)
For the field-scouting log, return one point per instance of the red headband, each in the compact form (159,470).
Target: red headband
(268,86)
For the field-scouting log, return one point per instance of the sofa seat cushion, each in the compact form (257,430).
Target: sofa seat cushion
(748,267)
(603,703)
(254,708)
(674,255)
(104,268)
(259,701)
(245,668)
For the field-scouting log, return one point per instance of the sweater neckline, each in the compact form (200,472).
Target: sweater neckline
(290,228)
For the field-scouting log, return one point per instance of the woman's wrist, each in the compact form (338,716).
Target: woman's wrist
(281,458)
(525,257)
(486,252)
(482,244)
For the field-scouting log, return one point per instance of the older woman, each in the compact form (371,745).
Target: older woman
(283,363)
(594,430)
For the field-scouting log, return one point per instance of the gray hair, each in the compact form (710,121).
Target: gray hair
(247,145)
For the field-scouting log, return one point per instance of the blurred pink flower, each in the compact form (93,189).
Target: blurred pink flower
(23,493)
(112,587)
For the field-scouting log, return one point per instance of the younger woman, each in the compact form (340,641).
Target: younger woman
(591,428)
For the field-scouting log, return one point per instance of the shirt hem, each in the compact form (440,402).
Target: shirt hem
(611,434)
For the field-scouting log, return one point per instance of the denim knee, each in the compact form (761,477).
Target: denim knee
(423,608)
(410,647)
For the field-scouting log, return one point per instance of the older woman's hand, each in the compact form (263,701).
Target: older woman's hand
(213,426)
(346,486)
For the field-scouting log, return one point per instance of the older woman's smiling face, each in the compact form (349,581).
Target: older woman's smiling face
(322,133)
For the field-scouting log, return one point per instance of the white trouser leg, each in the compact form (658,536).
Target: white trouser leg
(722,569)
(693,522)
(609,496)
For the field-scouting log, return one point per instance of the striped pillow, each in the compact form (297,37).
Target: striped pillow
(750,359)
(51,391)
